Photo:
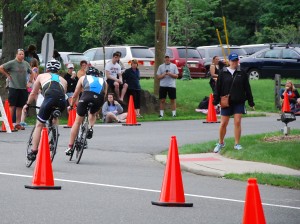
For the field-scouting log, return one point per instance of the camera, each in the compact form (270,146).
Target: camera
(167,71)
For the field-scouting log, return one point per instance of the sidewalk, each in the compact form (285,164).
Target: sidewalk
(213,164)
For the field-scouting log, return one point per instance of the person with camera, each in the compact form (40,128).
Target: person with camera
(167,73)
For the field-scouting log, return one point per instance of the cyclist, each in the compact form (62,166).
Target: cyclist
(94,89)
(53,88)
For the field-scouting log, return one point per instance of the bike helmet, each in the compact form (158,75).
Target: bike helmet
(53,65)
(93,71)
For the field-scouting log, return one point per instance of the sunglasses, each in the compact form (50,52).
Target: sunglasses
(20,49)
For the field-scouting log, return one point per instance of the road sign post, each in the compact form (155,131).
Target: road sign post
(47,48)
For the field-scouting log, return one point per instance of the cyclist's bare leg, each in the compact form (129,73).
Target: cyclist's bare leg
(37,135)
(75,128)
(92,119)
(55,121)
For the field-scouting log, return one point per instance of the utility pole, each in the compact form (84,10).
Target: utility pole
(160,38)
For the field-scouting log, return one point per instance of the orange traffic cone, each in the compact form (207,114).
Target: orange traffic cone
(253,210)
(71,118)
(172,193)
(211,113)
(9,118)
(43,175)
(286,104)
(131,116)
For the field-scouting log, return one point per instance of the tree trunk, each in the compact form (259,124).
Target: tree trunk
(12,36)
(160,38)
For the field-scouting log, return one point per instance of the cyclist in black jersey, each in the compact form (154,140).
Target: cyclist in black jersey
(94,89)
(53,89)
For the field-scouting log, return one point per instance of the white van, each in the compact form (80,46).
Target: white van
(143,54)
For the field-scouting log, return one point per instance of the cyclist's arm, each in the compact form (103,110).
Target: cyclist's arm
(33,95)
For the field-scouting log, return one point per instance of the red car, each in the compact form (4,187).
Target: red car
(181,56)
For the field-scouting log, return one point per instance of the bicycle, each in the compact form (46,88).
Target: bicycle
(53,136)
(80,142)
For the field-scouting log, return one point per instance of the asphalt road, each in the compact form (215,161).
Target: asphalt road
(118,178)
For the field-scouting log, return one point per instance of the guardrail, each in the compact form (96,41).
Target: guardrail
(277,88)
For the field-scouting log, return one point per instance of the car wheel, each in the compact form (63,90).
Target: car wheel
(254,74)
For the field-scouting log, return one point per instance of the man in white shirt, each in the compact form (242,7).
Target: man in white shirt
(114,75)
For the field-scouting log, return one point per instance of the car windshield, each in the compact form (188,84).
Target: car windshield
(191,53)
(76,58)
(141,52)
(218,51)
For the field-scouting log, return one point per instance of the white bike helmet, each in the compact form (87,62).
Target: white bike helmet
(53,65)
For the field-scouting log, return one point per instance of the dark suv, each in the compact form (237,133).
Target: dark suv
(283,60)
(208,52)
(180,55)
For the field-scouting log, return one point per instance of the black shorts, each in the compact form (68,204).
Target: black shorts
(163,91)
(111,85)
(47,107)
(17,97)
(90,97)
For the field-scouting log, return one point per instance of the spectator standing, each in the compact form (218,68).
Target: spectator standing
(16,71)
(72,80)
(292,92)
(214,72)
(113,111)
(83,69)
(235,82)
(114,74)
(167,73)
(131,78)
(30,53)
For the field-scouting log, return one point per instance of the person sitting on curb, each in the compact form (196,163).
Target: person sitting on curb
(112,110)
(292,93)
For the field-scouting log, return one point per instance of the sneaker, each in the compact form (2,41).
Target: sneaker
(174,115)
(19,127)
(31,156)
(68,151)
(160,117)
(218,147)
(139,116)
(89,133)
(24,124)
(238,147)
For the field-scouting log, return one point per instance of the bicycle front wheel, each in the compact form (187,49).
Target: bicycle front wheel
(53,139)
(29,148)
(81,141)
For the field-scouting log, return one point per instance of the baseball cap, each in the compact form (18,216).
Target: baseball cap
(167,55)
(233,57)
(70,65)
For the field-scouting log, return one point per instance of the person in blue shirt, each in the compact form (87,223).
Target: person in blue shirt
(93,89)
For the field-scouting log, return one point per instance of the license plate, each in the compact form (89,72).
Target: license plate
(146,63)
(193,65)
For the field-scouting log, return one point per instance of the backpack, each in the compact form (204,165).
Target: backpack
(204,103)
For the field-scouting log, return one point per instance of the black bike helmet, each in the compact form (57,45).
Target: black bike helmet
(93,71)
(53,65)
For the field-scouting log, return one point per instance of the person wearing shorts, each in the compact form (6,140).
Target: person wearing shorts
(167,73)
(53,90)
(235,82)
(16,72)
(93,89)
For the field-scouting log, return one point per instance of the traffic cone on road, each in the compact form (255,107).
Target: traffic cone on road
(253,210)
(286,104)
(172,193)
(211,116)
(71,118)
(9,118)
(131,115)
(43,174)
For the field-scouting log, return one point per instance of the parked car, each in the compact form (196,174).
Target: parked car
(208,52)
(180,56)
(143,54)
(68,57)
(283,60)
(253,48)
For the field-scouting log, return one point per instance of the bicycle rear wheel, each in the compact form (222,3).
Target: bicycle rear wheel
(81,141)
(28,149)
(53,139)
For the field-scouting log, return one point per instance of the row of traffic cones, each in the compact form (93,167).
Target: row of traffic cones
(9,118)
(172,192)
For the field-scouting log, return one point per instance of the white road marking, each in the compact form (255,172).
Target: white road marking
(149,190)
